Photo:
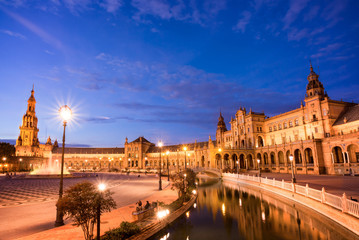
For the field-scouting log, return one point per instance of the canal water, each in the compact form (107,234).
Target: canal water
(231,211)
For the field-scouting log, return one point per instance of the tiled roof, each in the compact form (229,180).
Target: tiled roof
(350,115)
(174,148)
(144,140)
(89,150)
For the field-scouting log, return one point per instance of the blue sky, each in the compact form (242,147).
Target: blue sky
(164,69)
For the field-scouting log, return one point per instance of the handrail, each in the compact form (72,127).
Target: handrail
(341,203)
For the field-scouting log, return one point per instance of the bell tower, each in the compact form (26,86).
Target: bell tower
(28,129)
(221,128)
(315,87)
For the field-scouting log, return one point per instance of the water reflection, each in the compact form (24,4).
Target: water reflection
(228,211)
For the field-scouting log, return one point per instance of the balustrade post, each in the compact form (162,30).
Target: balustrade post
(323,195)
(306,190)
(344,203)
(282,183)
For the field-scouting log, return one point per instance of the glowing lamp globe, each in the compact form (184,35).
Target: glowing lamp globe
(101,187)
(65,113)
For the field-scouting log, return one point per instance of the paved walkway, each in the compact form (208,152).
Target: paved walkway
(108,220)
(333,184)
(19,191)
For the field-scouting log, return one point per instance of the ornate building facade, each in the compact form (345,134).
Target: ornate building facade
(322,135)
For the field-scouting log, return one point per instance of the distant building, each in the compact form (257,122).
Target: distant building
(322,135)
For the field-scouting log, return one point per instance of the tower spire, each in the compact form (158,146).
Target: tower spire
(311,67)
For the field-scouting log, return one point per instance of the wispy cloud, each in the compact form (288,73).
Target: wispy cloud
(329,49)
(295,8)
(46,37)
(296,35)
(111,5)
(13,34)
(243,22)
(77,6)
(194,12)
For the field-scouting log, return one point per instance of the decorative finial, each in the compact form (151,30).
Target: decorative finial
(311,67)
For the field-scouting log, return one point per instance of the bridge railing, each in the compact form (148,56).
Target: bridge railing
(341,203)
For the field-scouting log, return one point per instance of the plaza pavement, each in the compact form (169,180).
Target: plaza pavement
(108,220)
(28,205)
(336,185)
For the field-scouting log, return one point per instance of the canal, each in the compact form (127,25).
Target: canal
(226,210)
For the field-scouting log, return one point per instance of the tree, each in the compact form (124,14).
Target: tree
(80,203)
(6,150)
(184,185)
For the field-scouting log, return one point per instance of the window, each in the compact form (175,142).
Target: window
(290,124)
(285,125)
(279,126)
(314,117)
(270,129)
(296,122)
(316,130)
(275,128)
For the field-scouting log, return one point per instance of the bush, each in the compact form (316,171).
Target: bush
(125,230)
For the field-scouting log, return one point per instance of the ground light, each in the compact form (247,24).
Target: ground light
(65,114)
(163,213)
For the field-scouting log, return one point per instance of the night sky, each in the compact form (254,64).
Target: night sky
(164,69)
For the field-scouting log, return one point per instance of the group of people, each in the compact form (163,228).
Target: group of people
(139,207)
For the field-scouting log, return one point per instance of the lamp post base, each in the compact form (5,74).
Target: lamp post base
(294,180)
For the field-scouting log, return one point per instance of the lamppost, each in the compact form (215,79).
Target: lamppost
(185,157)
(109,165)
(237,162)
(101,188)
(291,165)
(3,168)
(184,182)
(259,167)
(65,113)
(20,167)
(160,144)
(168,169)
(220,158)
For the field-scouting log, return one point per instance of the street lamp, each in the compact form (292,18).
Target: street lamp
(65,113)
(237,162)
(168,169)
(259,167)
(160,144)
(109,165)
(3,169)
(185,157)
(20,167)
(291,165)
(101,188)
(184,182)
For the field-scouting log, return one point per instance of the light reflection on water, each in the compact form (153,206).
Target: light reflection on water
(228,211)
